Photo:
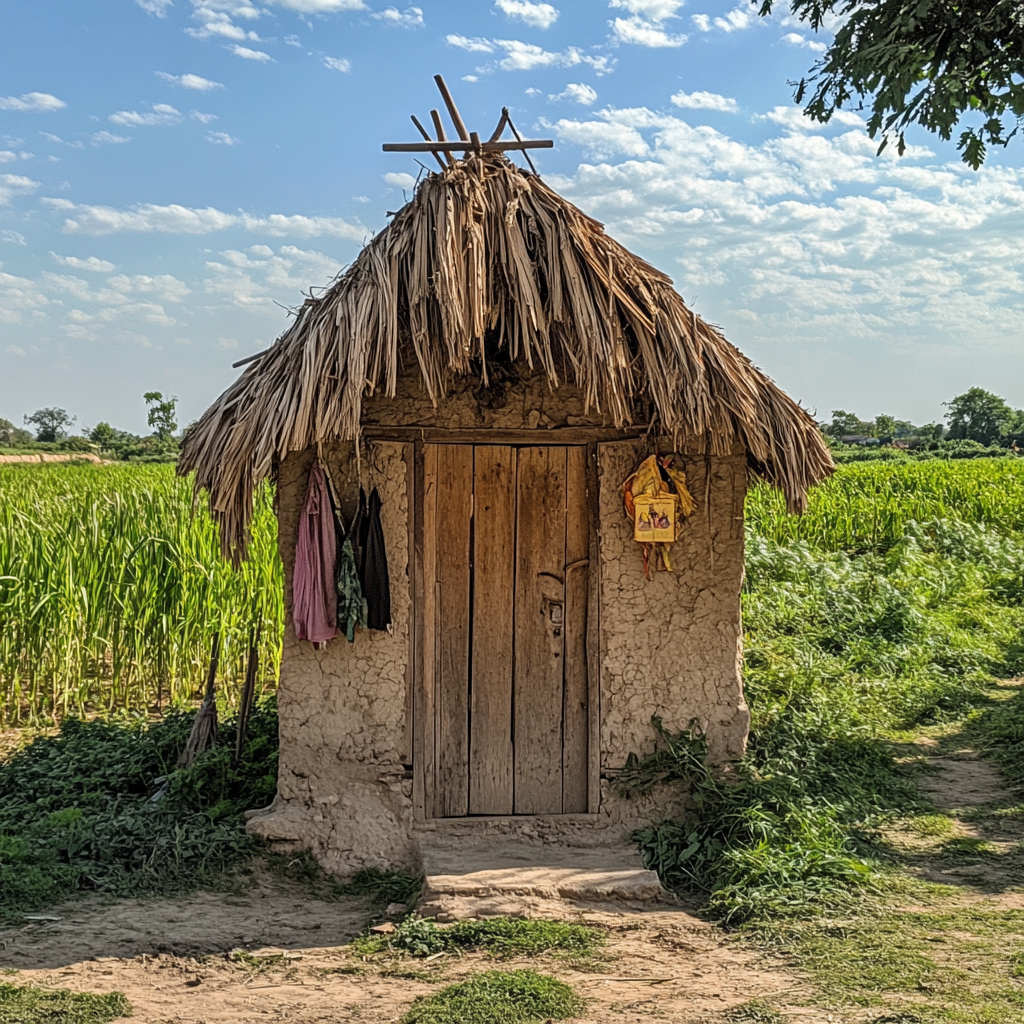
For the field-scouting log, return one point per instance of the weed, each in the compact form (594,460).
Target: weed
(498,997)
(26,1004)
(755,1012)
(76,810)
(382,887)
(500,936)
(931,825)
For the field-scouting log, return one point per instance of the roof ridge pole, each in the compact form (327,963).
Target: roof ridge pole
(453,111)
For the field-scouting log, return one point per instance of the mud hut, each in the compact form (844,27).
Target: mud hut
(496,367)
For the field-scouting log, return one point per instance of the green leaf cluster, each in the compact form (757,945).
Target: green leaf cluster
(76,811)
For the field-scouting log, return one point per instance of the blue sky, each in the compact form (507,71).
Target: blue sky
(172,174)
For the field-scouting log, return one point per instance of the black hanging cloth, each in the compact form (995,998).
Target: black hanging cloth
(371,560)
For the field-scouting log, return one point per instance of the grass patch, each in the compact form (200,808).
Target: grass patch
(757,1011)
(76,813)
(963,962)
(498,997)
(26,1004)
(382,887)
(892,606)
(500,937)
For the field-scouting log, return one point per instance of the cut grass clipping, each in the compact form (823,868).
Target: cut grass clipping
(498,997)
(26,1004)
(500,936)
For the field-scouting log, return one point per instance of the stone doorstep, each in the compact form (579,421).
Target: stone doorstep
(548,871)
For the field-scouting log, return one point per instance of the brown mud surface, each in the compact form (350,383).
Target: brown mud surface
(277,954)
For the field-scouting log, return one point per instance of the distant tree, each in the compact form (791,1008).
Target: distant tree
(978,415)
(105,435)
(12,436)
(884,426)
(162,415)
(844,423)
(926,62)
(51,424)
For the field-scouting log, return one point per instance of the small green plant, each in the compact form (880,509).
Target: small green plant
(76,811)
(500,936)
(382,887)
(27,1004)
(754,1012)
(498,997)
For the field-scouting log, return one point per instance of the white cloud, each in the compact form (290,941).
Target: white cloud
(411,17)
(198,115)
(248,54)
(536,15)
(794,119)
(475,45)
(293,41)
(6,156)
(248,279)
(736,20)
(645,25)
(795,39)
(184,220)
(187,81)
(163,114)
(105,138)
(158,8)
(520,56)
(93,263)
(400,179)
(640,32)
(705,101)
(215,19)
(470,78)
(654,10)
(14,185)
(32,102)
(342,64)
(810,236)
(322,6)
(15,350)
(221,139)
(578,93)
(12,237)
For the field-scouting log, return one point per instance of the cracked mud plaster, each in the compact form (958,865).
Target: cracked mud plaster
(672,645)
(343,790)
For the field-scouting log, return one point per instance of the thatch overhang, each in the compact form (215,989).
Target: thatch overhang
(486,262)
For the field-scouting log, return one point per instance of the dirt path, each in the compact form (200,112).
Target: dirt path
(173,960)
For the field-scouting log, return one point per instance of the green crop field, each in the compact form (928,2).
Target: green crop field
(111,585)
(111,589)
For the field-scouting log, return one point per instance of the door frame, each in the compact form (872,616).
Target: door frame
(422,640)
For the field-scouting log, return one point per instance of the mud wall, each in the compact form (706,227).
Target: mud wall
(669,646)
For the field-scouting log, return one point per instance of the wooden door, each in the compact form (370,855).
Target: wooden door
(506,545)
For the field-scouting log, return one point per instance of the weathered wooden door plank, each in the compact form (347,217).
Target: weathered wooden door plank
(452,538)
(490,751)
(577,561)
(539,630)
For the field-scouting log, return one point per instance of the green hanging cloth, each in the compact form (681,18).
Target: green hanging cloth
(351,603)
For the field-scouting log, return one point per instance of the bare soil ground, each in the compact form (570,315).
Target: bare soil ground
(273,952)
(173,959)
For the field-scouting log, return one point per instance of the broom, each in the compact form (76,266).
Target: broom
(204,729)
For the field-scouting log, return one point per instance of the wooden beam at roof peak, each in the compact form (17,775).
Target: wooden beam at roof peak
(456,145)
(453,111)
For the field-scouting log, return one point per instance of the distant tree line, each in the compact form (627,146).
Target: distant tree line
(977,423)
(51,431)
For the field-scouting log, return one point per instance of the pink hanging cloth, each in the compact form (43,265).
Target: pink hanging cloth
(314,598)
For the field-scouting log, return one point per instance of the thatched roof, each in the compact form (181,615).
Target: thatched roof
(487,253)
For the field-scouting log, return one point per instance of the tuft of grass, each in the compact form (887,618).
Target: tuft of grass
(27,1004)
(76,811)
(498,997)
(502,937)
(382,887)
(756,1011)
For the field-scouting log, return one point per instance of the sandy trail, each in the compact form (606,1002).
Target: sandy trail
(171,959)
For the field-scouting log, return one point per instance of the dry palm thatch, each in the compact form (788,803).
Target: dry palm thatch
(488,252)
